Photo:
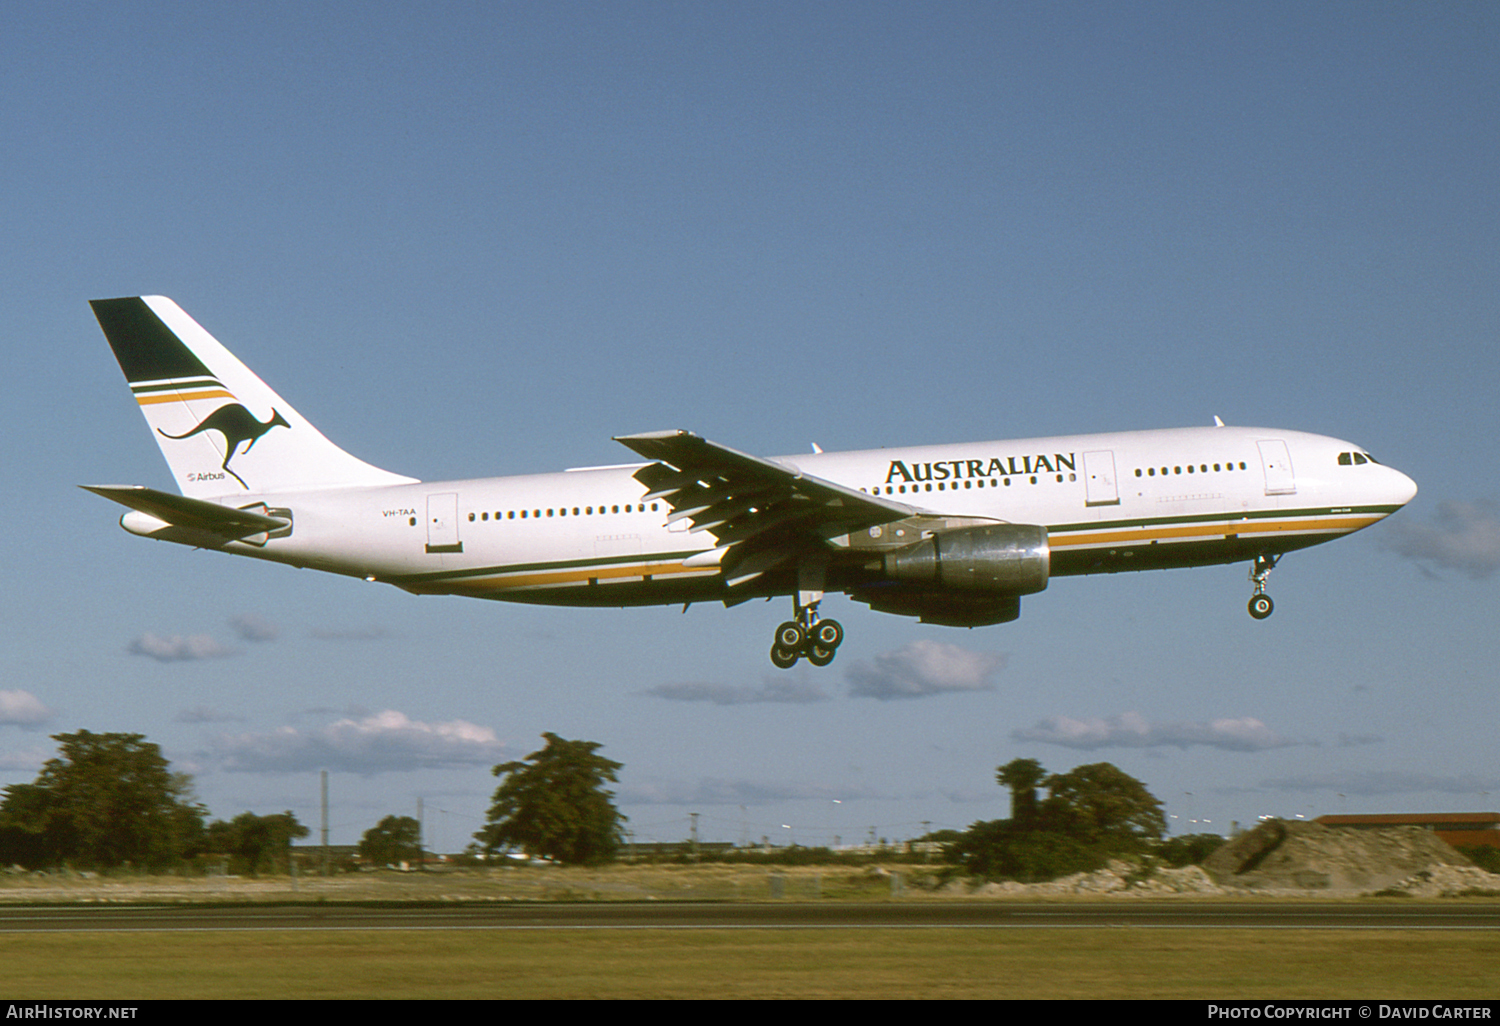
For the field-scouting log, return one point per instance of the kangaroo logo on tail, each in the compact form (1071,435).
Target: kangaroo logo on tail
(176,371)
(236,424)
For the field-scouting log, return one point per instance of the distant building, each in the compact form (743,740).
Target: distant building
(1457,828)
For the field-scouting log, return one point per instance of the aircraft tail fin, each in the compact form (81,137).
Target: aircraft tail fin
(222,430)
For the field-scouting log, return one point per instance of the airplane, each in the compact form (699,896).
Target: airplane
(954,535)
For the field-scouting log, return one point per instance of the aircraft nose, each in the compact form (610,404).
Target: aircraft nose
(1402,488)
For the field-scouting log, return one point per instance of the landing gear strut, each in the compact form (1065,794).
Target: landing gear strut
(1261,605)
(808,636)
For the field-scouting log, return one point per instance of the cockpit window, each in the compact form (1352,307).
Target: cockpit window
(1355,459)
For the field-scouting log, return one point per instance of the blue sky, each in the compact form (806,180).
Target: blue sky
(476,239)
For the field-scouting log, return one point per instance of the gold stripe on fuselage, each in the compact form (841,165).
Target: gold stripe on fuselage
(1214,529)
(555,578)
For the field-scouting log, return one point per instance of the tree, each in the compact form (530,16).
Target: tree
(1090,814)
(392,840)
(1485,856)
(1022,776)
(105,801)
(255,842)
(998,849)
(1100,804)
(1189,849)
(553,804)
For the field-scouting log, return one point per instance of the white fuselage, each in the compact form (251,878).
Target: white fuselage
(1110,502)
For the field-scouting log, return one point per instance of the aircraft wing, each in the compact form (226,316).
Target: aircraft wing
(192,514)
(760,511)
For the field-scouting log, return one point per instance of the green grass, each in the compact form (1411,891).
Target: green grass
(768,963)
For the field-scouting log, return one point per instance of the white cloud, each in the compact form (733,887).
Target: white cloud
(1465,536)
(25,762)
(771,689)
(1132,730)
(178,649)
(924,668)
(22,709)
(386,741)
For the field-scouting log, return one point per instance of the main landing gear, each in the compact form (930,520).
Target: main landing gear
(1261,605)
(808,636)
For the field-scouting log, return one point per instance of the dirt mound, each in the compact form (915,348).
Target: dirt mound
(1293,855)
(1116,878)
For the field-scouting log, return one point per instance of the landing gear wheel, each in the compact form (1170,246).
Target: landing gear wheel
(827,634)
(820,656)
(807,637)
(1260,603)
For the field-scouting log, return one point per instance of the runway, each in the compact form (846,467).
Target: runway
(1259,914)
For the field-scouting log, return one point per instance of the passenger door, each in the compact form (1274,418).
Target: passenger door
(442,523)
(1276,461)
(1099,485)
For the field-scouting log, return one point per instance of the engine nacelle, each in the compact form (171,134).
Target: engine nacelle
(991,559)
(945,608)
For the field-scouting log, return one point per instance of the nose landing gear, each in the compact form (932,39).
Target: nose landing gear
(808,636)
(1261,605)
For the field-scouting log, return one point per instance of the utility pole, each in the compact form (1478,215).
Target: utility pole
(324,832)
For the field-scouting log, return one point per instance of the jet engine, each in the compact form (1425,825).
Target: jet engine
(965,577)
(997,559)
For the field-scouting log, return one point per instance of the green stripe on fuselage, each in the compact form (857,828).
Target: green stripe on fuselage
(1220,518)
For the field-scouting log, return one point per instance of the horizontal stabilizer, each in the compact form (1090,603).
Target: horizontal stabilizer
(193,514)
